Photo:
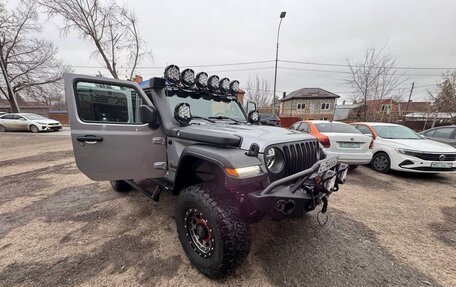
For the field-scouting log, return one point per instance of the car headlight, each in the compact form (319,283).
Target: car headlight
(172,74)
(329,180)
(274,159)
(44,124)
(201,80)
(408,152)
(342,170)
(188,77)
(234,87)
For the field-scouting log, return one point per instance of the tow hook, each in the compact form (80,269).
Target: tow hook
(323,211)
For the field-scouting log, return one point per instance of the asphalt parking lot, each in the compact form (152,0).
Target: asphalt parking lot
(58,228)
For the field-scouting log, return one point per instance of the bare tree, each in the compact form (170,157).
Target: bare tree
(26,62)
(259,91)
(444,94)
(375,77)
(112,30)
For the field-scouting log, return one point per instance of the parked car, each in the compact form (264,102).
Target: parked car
(446,134)
(339,139)
(400,148)
(2,113)
(225,170)
(27,122)
(269,120)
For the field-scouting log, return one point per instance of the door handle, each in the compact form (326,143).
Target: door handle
(89,139)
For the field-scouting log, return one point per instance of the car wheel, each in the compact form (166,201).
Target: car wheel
(2,129)
(211,230)
(34,129)
(381,162)
(120,185)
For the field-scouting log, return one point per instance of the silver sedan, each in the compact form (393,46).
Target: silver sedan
(27,122)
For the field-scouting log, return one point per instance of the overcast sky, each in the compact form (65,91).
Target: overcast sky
(418,33)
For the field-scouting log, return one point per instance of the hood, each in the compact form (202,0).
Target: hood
(47,121)
(423,145)
(263,136)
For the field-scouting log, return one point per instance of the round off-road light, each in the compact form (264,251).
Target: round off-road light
(213,83)
(201,80)
(234,87)
(172,74)
(329,180)
(224,85)
(182,113)
(253,117)
(188,77)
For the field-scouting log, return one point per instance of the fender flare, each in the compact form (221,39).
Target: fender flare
(222,157)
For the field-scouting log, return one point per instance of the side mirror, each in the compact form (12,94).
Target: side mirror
(251,106)
(149,115)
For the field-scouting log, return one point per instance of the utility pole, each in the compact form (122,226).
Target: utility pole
(410,98)
(282,15)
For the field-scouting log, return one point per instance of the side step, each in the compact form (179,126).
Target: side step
(155,195)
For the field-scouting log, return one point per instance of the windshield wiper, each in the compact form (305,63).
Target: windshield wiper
(203,118)
(225,118)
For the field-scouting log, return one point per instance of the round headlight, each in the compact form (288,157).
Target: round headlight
(201,80)
(253,117)
(213,83)
(224,85)
(172,74)
(188,77)
(234,87)
(274,159)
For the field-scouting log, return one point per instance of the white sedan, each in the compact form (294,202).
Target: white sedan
(400,148)
(27,122)
(339,139)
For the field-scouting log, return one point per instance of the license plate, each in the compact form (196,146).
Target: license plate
(349,145)
(327,164)
(442,164)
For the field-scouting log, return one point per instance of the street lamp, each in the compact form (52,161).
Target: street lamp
(282,15)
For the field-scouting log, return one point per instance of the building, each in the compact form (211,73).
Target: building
(309,104)
(342,112)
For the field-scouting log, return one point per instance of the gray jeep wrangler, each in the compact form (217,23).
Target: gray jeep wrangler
(191,135)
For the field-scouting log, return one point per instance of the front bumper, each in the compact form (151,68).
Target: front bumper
(413,164)
(293,195)
(50,128)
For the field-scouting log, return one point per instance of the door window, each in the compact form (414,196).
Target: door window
(364,130)
(108,103)
(295,126)
(443,133)
(429,133)
(304,127)
(7,117)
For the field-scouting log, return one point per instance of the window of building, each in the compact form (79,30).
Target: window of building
(324,119)
(386,108)
(325,106)
(301,106)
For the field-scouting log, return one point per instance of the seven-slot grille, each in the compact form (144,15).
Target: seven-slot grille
(300,156)
(434,156)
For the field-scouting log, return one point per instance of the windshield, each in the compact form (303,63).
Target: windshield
(336,128)
(208,107)
(396,132)
(34,117)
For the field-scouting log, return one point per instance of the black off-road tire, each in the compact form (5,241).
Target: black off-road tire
(229,232)
(34,129)
(2,129)
(120,185)
(381,162)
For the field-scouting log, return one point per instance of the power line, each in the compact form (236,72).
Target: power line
(358,66)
